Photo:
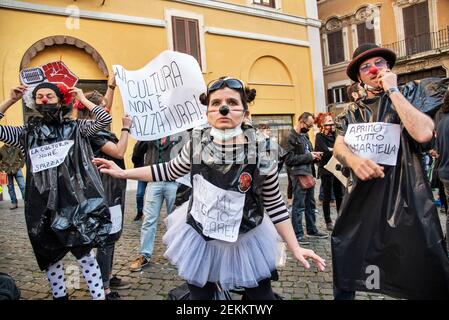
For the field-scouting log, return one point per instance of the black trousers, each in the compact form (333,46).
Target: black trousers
(330,183)
(262,292)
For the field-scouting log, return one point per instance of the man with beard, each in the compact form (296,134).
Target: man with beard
(388,237)
(300,158)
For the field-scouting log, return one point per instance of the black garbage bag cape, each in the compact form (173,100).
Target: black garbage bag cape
(114,189)
(64,205)
(391,224)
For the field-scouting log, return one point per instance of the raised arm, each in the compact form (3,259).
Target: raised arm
(102,118)
(109,96)
(419,125)
(11,134)
(118,150)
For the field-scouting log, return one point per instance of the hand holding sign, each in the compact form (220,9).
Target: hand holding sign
(17,93)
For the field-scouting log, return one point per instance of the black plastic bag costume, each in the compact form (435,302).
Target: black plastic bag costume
(227,172)
(64,205)
(392,223)
(114,189)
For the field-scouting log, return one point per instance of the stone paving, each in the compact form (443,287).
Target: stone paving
(156,280)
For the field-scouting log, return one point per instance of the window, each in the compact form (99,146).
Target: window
(417,28)
(335,45)
(337,95)
(280,126)
(267,3)
(365,35)
(186,37)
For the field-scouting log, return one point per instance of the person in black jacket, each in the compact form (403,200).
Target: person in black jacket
(300,158)
(324,142)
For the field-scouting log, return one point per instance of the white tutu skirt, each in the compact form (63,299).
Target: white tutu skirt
(243,263)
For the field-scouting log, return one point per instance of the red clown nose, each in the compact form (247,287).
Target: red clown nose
(373,70)
(44,100)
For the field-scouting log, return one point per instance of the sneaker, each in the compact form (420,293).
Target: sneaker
(302,241)
(138,263)
(318,235)
(113,295)
(13,206)
(118,284)
(329,226)
(138,216)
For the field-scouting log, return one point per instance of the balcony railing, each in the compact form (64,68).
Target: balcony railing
(421,43)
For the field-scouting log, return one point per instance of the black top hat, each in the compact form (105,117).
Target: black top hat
(365,52)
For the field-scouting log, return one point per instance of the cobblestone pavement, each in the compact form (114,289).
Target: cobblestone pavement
(154,281)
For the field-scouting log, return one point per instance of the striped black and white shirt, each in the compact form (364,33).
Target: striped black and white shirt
(180,166)
(11,134)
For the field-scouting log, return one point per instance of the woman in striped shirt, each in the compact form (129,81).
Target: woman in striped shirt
(65,208)
(223,235)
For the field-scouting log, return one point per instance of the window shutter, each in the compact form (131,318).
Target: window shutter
(416,28)
(179,34)
(330,96)
(336,50)
(194,40)
(345,94)
(364,34)
(186,37)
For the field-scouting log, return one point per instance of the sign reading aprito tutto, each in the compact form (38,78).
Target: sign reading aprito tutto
(163,97)
(50,155)
(377,141)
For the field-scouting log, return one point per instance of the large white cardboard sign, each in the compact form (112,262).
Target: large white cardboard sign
(163,97)
(377,141)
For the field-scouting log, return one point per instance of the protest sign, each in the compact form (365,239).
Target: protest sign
(50,155)
(116,218)
(377,141)
(219,211)
(163,97)
(55,71)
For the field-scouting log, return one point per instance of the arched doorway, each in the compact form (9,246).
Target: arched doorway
(275,95)
(80,57)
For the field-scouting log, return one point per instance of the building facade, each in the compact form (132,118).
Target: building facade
(272,45)
(417,30)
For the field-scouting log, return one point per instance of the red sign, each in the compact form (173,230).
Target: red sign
(55,71)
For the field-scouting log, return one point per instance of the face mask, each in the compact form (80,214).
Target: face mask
(304,130)
(227,134)
(372,89)
(53,112)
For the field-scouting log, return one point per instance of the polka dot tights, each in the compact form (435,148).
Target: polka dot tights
(91,273)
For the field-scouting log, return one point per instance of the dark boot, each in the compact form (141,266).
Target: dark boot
(139,216)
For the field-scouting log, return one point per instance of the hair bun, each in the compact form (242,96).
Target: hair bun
(250,94)
(203,99)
